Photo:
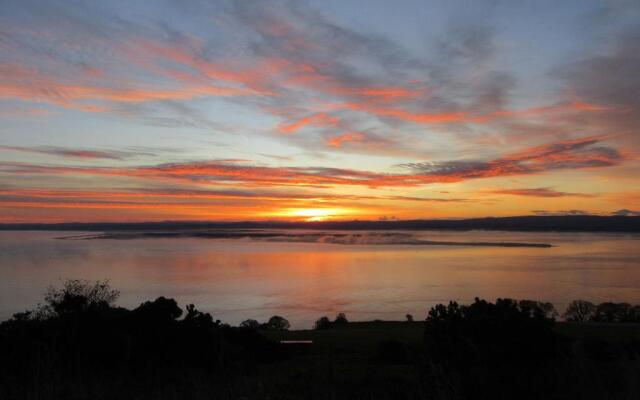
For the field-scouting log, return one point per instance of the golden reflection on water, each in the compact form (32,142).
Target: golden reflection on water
(239,279)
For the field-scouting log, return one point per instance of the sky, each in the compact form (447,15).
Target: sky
(317,110)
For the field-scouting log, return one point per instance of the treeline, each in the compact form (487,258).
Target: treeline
(532,223)
(607,312)
(79,345)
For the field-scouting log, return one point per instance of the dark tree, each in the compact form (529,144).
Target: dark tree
(323,323)
(537,309)
(409,318)
(580,311)
(161,310)
(250,324)
(493,349)
(277,323)
(79,295)
(341,318)
(198,319)
(612,312)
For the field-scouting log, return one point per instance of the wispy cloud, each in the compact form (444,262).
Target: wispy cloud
(571,154)
(560,212)
(78,153)
(568,154)
(539,192)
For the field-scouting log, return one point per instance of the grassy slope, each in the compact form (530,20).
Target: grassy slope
(364,337)
(346,355)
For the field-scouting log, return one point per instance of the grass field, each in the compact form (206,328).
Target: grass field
(364,337)
(350,355)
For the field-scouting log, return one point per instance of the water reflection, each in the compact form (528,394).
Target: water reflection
(239,279)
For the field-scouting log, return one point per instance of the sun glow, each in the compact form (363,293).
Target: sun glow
(315,214)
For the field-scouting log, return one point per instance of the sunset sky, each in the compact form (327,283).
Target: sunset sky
(314,110)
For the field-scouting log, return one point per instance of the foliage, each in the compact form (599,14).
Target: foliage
(250,324)
(323,323)
(607,312)
(79,295)
(341,318)
(491,348)
(580,311)
(277,323)
(84,340)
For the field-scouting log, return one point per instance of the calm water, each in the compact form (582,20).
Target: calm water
(237,279)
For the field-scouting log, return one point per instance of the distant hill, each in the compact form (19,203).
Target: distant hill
(568,223)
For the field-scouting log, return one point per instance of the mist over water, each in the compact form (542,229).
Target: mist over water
(236,279)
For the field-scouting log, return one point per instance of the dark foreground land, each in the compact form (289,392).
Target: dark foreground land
(78,345)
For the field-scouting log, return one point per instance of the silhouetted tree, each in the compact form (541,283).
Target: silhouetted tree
(199,319)
(250,324)
(612,312)
(323,323)
(490,348)
(79,295)
(277,323)
(580,311)
(634,314)
(85,346)
(409,318)
(341,318)
(537,309)
(161,310)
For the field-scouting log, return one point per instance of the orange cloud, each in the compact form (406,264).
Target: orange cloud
(569,154)
(319,119)
(337,141)
(539,192)
(468,116)
(429,118)
(18,82)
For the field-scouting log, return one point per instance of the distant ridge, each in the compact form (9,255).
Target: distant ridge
(569,223)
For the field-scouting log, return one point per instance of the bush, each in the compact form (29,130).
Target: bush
(79,295)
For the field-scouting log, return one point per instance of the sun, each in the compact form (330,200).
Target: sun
(312,214)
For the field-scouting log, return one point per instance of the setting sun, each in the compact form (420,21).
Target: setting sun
(314,214)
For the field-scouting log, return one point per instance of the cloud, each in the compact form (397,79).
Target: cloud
(347,137)
(225,203)
(77,153)
(626,213)
(539,192)
(560,213)
(288,60)
(320,119)
(23,83)
(609,79)
(570,154)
